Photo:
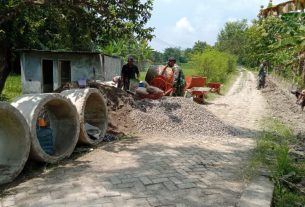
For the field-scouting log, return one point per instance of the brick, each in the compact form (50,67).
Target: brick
(190,180)
(139,186)
(142,202)
(159,180)
(186,169)
(145,180)
(129,180)
(154,187)
(170,185)
(181,205)
(154,201)
(107,185)
(125,185)
(115,180)
(186,185)
(175,180)
(182,172)
(200,169)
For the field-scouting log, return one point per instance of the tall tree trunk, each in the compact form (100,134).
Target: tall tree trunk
(5,63)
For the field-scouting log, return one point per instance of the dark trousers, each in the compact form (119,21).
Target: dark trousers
(126,84)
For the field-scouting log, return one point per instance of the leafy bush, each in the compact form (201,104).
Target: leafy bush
(12,88)
(214,64)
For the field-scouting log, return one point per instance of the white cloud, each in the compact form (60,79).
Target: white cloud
(232,19)
(197,19)
(184,25)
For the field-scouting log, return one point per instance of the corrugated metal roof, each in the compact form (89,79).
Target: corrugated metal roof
(62,51)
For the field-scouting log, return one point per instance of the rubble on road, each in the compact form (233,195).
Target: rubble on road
(177,115)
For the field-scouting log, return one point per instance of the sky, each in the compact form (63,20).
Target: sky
(180,23)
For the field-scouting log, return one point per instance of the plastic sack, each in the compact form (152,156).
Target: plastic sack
(154,90)
(141,91)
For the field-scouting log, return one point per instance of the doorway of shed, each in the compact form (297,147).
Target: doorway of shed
(65,68)
(47,71)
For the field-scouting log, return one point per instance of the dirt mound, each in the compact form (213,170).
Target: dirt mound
(177,116)
(119,105)
(283,105)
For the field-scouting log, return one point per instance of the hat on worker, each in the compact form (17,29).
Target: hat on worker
(172,59)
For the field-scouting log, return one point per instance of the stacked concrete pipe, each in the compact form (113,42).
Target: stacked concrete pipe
(92,109)
(14,142)
(63,121)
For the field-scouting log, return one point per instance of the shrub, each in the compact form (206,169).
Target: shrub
(214,64)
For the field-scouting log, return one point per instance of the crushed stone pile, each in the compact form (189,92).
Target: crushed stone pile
(283,105)
(176,115)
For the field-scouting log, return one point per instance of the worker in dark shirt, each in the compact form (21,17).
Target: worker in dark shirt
(129,71)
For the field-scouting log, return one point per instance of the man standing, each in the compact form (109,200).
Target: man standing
(262,75)
(179,81)
(129,71)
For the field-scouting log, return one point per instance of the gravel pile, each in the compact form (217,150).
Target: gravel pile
(283,106)
(175,116)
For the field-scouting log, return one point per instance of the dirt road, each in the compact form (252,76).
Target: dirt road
(157,170)
(243,106)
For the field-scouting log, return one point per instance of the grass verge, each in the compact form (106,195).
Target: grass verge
(273,152)
(12,88)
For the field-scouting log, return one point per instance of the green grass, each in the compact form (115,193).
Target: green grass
(189,69)
(142,75)
(272,153)
(12,88)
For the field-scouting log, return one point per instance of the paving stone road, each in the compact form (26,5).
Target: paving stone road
(145,170)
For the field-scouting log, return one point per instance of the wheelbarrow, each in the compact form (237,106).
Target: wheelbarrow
(195,81)
(199,93)
(215,87)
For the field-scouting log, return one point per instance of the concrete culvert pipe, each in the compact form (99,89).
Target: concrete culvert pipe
(92,111)
(14,143)
(53,123)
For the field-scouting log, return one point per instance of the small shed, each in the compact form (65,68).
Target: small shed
(44,71)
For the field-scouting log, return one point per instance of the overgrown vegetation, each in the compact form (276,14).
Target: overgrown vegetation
(12,88)
(214,64)
(286,171)
(279,40)
(70,25)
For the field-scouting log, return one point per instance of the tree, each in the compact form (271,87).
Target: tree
(232,39)
(68,25)
(138,49)
(157,58)
(172,52)
(199,47)
(280,41)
